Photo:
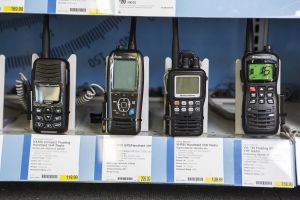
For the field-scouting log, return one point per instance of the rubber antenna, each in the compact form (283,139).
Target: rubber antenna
(175,44)
(46,38)
(132,36)
(249,36)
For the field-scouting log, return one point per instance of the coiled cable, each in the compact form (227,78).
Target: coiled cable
(21,89)
(89,95)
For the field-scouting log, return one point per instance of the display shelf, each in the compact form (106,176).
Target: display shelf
(217,158)
(158,8)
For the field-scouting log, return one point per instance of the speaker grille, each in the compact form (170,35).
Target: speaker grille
(187,125)
(263,119)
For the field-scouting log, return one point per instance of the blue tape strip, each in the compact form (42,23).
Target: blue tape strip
(36,6)
(159,158)
(52,6)
(11,157)
(294,164)
(170,160)
(87,158)
(228,156)
(98,159)
(25,157)
(238,162)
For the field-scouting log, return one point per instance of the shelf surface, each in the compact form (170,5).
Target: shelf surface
(158,8)
(86,155)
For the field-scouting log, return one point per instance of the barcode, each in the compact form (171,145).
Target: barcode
(125,178)
(78,10)
(195,179)
(49,176)
(263,182)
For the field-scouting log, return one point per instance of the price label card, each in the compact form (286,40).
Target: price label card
(84,7)
(127,159)
(198,160)
(298,158)
(267,163)
(12,5)
(54,158)
(145,7)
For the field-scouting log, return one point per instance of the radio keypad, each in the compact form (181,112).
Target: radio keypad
(124,105)
(261,95)
(48,117)
(186,106)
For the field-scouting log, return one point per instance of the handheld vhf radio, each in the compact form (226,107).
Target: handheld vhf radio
(260,112)
(50,90)
(186,91)
(124,88)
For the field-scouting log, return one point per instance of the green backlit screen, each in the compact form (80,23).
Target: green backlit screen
(124,75)
(260,72)
(187,85)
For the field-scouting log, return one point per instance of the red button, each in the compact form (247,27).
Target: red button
(252,89)
(176,103)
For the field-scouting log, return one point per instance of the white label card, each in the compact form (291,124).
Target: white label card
(127,158)
(12,5)
(298,159)
(267,163)
(84,7)
(54,158)
(145,7)
(198,160)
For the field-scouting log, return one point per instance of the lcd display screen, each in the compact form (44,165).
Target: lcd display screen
(261,72)
(187,85)
(124,75)
(47,93)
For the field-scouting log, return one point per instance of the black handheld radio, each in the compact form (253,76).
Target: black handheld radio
(50,90)
(186,90)
(259,74)
(124,88)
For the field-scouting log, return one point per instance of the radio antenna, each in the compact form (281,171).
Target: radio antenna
(132,36)
(46,38)
(175,44)
(249,36)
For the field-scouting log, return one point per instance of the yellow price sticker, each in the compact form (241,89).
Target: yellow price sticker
(144,178)
(68,177)
(97,12)
(13,9)
(213,180)
(283,184)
